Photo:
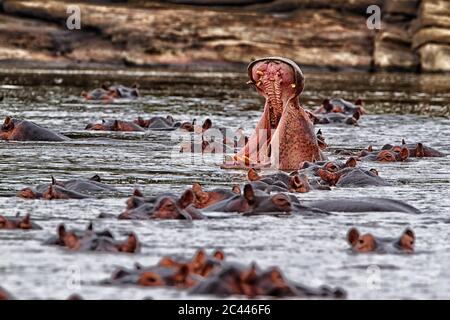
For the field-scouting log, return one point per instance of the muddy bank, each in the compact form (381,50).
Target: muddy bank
(215,34)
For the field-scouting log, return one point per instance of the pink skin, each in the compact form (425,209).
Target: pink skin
(284,136)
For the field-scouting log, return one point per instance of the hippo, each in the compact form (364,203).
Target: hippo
(353,177)
(339,105)
(158,123)
(201,264)
(123,92)
(165,206)
(416,150)
(337,118)
(254,202)
(204,199)
(24,130)
(363,243)
(251,281)
(172,271)
(70,189)
(24,223)
(5,295)
(114,125)
(90,240)
(284,136)
(395,155)
(108,93)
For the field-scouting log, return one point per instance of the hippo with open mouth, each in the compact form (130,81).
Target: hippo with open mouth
(24,130)
(284,136)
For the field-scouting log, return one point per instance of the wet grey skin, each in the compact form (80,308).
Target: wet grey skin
(124,92)
(347,106)
(363,205)
(163,124)
(98,94)
(338,118)
(386,245)
(115,125)
(25,130)
(429,152)
(357,177)
(145,209)
(56,241)
(18,218)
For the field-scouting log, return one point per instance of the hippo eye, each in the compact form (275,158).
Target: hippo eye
(169,206)
(361,241)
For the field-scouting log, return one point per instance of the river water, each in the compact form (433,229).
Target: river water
(311,250)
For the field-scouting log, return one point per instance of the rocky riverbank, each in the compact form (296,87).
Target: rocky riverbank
(414,34)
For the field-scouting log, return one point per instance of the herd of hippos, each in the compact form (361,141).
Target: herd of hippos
(290,145)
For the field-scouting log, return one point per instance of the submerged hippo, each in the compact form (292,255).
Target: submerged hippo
(251,281)
(90,240)
(70,189)
(158,123)
(368,243)
(338,105)
(284,136)
(24,223)
(353,177)
(23,130)
(416,150)
(108,93)
(337,118)
(165,206)
(394,155)
(204,199)
(170,271)
(114,125)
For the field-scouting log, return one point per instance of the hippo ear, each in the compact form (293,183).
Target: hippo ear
(327,105)
(116,126)
(3,221)
(135,85)
(8,124)
(351,162)
(408,232)
(406,240)
(53,180)
(252,175)
(194,121)
(26,219)
(131,244)
(370,148)
(319,132)
(356,115)
(95,178)
(420,152)
(236,189)
(374,171)
(249,194)
(90,226)
(197,188)
(170,119)
(199,257)
(249,275)
(404,154)
(61,231)
(105,86)
(219,255)
(403,141)
(186,199)
(182,274)
(84,94)
(359,102)
(353,236)
(137,193)
(322,144)
(207,124)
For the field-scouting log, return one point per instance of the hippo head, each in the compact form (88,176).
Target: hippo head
(368,243)
(7,128)
(299,183)
(277,79)
(256,204)
(168,207)
(24,223)
(396,154)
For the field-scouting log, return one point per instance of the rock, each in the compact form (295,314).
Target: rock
(434,13)
(401,7)
(435,57)
(393,49)
(431,35)
(319,37)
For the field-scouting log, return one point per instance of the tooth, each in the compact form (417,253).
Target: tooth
(258,83)
(293,85)
(249,82)
(259,72)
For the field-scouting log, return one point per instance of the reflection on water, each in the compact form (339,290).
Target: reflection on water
(310,250)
